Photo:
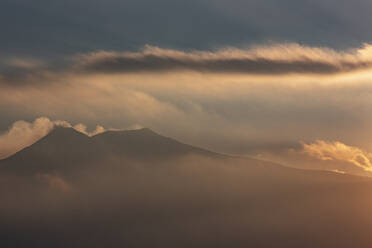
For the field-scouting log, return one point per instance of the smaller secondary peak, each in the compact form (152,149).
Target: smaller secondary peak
(63,133)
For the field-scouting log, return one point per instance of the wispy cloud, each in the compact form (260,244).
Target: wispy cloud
(338,151)
(275,59)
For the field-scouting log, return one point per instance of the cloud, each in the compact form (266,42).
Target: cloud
(22,134)
(83,129)
(269,60)
(24,63)
(338,171)
(22,71)
(275,59)
(338,151)
(198,24)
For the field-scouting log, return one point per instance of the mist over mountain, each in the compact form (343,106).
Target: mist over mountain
(140,189)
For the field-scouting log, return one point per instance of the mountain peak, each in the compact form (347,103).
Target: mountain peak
(65,130)
(63,133)
(66,149)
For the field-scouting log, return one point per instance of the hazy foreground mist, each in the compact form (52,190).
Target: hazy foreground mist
(189,200)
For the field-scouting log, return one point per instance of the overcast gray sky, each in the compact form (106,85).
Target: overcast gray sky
(42,27)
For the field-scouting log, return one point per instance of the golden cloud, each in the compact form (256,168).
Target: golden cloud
(328,151)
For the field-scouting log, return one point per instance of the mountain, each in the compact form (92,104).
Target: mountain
(145,144)
(65,149)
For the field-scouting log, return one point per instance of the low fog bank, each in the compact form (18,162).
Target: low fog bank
(191,201)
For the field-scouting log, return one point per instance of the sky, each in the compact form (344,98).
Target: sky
(287,81)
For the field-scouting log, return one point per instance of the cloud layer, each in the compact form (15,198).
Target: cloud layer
(277,59)
(270,60)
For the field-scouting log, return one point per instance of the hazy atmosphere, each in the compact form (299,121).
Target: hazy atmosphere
(184,106)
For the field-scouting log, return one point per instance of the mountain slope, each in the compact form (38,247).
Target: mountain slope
(145,144)
(66,149)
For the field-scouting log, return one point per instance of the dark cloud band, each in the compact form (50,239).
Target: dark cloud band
(270,60)
(234,61)
(120,64)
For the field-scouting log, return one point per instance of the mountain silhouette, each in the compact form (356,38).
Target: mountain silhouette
(65,149)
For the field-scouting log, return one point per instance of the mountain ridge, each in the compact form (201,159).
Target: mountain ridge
(65,150)
(68,148)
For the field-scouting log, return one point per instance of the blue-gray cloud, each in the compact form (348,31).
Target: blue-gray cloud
(50,28)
